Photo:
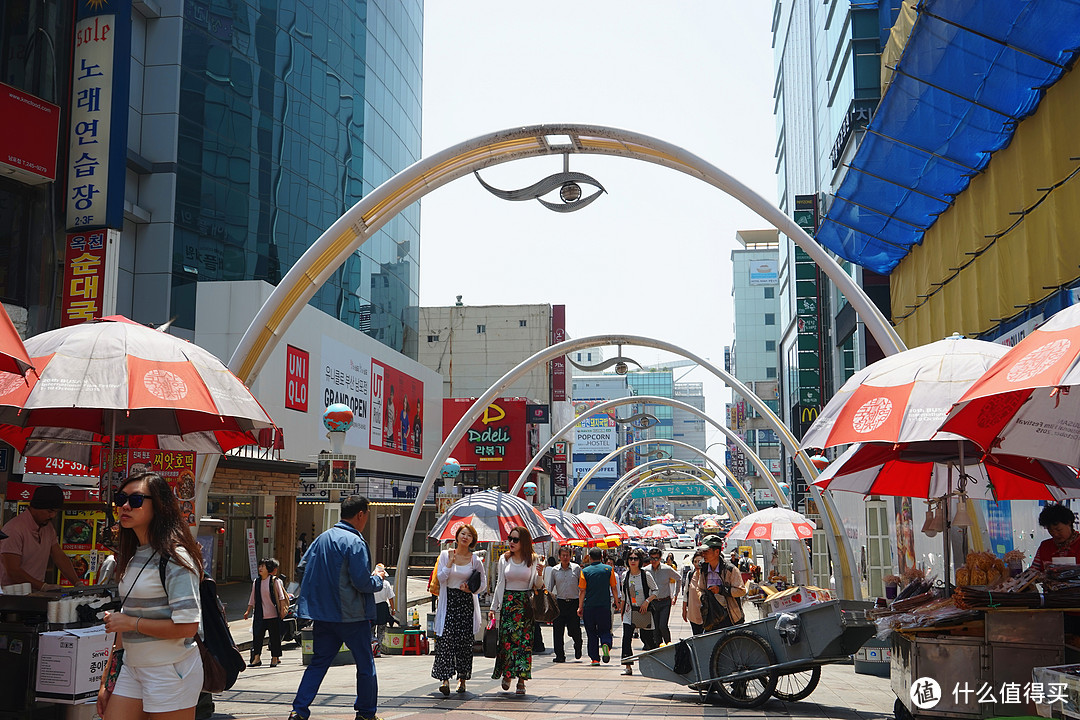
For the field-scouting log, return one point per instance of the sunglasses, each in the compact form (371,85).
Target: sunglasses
(135,500)
(635,558)
(513,538)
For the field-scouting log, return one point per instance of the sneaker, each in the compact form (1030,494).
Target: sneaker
(628,670)
(558,659)
(605,653)
(296,716)
(595,663)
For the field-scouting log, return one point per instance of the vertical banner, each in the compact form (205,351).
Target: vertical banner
(558,365)
(253,560)
(97,146)
(559,478)
(84,277)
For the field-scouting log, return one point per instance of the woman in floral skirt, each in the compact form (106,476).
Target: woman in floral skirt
(520,571)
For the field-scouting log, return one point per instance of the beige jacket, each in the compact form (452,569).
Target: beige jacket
(696,585)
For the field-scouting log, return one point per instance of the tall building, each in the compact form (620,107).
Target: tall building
(754,359)
(217,142)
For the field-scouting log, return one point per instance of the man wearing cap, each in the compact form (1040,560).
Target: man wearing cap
(31,542)
(715,575)
(665,576)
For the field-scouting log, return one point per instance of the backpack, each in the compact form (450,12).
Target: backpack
(222,660)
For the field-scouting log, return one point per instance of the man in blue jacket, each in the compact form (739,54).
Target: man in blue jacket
(337,592)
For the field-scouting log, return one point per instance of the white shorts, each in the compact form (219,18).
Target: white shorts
(163,688)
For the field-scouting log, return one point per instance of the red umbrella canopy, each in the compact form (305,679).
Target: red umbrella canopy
(921,470)
(567,525)
(772,524)
(659,532)
(116,373)
(13,355)
(1023,405)
(904,397)
(494,514)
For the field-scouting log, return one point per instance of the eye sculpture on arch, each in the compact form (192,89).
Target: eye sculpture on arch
(568,184)
(641,421)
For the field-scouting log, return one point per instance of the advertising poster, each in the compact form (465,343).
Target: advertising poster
(497,440)
(79,533)
(999,525)
(397,420)
(346,378)
(905,535)
(176,466)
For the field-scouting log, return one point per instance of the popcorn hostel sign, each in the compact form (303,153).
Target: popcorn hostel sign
(98,141)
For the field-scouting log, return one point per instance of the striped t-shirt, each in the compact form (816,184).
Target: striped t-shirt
(148,599)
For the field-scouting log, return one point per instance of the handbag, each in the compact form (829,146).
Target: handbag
(543,607)
(474,581)
(640,620)
(215,679)
(116,661)
(491,640)
(714,614)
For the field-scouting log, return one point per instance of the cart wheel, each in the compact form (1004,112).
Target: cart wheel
(741,651)
(797,685)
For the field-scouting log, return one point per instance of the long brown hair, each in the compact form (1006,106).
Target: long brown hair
(168,529)
(525,545)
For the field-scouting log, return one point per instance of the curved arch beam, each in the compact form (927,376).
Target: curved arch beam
(366,217)
(766,474)
(634,482)
(631,477)
(626,491)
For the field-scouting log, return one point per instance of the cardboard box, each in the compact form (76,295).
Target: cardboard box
(797,597)
(71,663)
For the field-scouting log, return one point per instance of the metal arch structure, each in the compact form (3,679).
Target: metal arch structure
(731,435)
(378,207)
(649,471)
(644,481)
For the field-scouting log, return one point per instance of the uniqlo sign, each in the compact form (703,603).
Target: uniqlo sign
(84,277)
(297,372)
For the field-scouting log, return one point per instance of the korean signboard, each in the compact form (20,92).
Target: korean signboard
(85,279)
(498,440)
(558,365)
(176,466)
(345,378)
(97,146)
(397,419)
(297,372)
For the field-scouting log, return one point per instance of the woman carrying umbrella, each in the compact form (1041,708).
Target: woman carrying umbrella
(1064,540)
(520,571)
(457,620)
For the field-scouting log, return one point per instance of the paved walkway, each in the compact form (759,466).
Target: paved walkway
(556,692)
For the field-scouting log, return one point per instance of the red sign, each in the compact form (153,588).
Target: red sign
(176,466)
(498,440)
(397,417)
(58,466)
(558,365)
(30,138)
(23,492)
(84,277)
(297,367)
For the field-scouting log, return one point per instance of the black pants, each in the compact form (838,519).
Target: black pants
(261,626)
(568,619)
(661,612)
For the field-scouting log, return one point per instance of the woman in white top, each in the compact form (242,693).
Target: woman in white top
(637,591)
(520,571)
(162,673)
(457,620)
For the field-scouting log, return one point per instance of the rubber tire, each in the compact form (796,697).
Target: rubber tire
(796,677)
(752,651)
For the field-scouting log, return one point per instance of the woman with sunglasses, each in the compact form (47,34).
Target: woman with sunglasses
(520,571)
(638,590)
(457,620)
(161,672)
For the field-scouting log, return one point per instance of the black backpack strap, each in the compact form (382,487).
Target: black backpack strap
(162,564)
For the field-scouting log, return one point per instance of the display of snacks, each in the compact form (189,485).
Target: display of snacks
(981,569)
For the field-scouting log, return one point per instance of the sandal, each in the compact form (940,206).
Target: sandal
(506,682)
(274,662)
(461,686)
(520,687)
(445,688)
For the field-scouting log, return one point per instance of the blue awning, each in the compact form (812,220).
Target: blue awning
(972,69)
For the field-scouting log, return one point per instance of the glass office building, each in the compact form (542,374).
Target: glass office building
(289,113)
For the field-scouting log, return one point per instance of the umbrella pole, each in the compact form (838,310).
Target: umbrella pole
(947,553)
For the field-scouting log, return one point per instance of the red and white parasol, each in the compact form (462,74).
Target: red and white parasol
(601,526)
(114,377)
(772,524)
(13,356)
(566,526)
(1028,403)
(494,514)
(631,531)
(904,397)
(659,531)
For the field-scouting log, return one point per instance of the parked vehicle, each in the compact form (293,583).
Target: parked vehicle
(683,541)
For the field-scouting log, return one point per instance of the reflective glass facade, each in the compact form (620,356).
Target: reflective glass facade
(290,112)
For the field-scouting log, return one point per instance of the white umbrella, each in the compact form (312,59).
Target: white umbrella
(772,524)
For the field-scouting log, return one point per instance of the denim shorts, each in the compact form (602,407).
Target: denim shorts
(163,688)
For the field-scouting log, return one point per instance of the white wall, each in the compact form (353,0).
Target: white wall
(223,313)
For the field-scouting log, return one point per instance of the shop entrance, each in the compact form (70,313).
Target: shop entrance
(238,512)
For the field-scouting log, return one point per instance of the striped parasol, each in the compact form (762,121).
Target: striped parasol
(659,531)
(567,525)
(631,531)
(494,514)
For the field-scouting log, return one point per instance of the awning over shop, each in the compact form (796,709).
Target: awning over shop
(971,71)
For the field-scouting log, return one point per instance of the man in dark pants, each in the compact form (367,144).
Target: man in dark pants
(665,577)
(596,588)
(562,582)
(337,592)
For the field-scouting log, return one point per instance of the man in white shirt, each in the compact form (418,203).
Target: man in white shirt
(562,582)
(668,582)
